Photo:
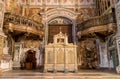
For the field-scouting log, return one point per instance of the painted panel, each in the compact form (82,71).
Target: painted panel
(32,2)
(68,2)
(51,2)
(85,2)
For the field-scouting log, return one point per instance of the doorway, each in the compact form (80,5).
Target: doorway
(30,60)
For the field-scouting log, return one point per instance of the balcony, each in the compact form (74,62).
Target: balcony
(101,26)
(23,24)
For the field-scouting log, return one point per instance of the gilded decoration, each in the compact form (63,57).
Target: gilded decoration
(62,53)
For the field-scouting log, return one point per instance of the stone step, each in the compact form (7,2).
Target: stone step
(62,77)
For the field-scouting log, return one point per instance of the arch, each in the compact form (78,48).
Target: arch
(61,17)
(59,12)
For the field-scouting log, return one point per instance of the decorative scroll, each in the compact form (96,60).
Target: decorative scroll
(52,2)
(68,2)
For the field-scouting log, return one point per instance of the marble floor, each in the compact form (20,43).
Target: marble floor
(82,74)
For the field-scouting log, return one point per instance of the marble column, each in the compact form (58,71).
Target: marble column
(117,7)
(1,47)
(2,9)
(104,63)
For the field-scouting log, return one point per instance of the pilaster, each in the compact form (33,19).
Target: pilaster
(2,36)
(66,60)
(117,7)
(2,9)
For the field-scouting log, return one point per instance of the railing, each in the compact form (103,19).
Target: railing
(97,21)
(20,20)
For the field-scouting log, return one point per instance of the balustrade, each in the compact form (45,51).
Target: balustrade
(21,20)
(97,21)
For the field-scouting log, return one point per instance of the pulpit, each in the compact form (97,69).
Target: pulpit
(60,55)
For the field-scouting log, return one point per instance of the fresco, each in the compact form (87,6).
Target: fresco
(52,2)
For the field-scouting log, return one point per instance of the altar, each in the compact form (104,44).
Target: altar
(60,55)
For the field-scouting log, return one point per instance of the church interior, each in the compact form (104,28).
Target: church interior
(59,35)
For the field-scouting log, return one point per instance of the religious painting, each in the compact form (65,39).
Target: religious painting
(85,2)
(63,2)
(33,11)
(81,1)
(52,2)
(32,2)
(39,2)
(22,1)
(68,2)
(7,5)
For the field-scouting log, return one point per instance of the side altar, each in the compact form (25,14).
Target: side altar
(60,55)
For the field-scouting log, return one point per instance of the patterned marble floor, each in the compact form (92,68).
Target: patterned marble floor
(83,74)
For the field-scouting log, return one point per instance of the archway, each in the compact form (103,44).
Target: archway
(59,12)
(30,60)
(57,24)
